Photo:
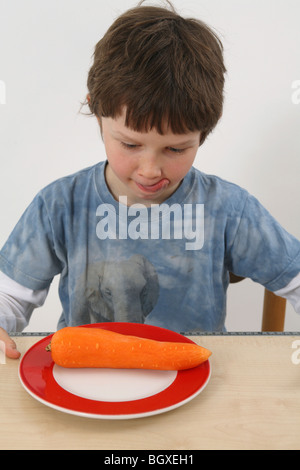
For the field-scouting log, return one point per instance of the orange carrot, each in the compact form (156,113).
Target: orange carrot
(96,347)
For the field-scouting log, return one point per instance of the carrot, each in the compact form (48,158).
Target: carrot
(96,347)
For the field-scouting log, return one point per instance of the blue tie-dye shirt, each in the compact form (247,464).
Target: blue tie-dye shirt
(166,265)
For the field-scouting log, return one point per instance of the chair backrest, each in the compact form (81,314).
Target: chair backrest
(274,308)
(273,311)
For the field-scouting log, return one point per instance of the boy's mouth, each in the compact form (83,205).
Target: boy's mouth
(153,188)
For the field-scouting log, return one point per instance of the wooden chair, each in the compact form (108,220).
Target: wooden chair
(273,312)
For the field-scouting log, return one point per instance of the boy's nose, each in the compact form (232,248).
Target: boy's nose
(149,167)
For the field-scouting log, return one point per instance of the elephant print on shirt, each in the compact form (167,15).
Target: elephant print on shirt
(121,291)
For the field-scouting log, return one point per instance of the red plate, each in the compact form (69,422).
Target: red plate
(111,393)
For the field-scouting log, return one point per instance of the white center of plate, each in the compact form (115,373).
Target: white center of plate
(113,384)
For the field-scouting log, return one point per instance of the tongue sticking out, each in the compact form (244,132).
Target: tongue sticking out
(154,187)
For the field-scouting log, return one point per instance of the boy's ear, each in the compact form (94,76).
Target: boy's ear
(88,97)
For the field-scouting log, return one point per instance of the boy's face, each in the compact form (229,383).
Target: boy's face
(147,167)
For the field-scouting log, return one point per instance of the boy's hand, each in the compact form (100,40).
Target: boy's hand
(10,346)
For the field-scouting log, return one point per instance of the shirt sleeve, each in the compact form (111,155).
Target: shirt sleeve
(291,292)
(17,304)
(260,248)
(29,256)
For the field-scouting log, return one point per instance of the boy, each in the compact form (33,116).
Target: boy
(144,237)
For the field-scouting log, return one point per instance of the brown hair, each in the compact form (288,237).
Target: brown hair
(162,68)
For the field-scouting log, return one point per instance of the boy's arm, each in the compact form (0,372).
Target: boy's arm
(16,306)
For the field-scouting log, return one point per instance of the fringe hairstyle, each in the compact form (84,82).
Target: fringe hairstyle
(163,68)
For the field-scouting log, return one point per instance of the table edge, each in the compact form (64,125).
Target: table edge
(186,333)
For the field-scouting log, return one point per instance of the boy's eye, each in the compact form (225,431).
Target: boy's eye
(128,146)
(134,146)
(174,150)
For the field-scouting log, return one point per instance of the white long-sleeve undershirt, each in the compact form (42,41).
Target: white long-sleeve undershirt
(17,303)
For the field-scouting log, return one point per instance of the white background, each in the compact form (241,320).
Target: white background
(45,53)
